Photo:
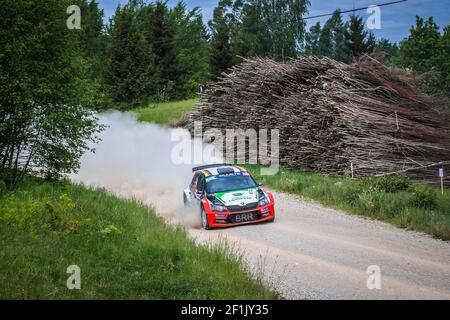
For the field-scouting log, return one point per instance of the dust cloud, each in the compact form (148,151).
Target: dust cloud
(133,160)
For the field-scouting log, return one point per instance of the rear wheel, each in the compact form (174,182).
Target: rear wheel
(205,223)
(184,199)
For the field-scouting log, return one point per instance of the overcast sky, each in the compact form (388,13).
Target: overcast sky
(396,19)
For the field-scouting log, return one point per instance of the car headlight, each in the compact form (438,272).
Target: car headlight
(218,208)
(263,201)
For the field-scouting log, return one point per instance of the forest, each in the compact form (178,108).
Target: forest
(54,79)
(151,52)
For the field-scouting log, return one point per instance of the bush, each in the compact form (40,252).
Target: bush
(45,214)
(2,187)
(351,194)
(366,201)
(423,197)
(391,184)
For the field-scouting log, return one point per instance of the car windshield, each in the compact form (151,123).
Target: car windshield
(230,183)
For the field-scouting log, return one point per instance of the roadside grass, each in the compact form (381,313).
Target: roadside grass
(165,113)
(395,199)
(124,250)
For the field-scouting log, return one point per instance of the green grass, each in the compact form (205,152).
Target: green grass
(123,249)
(395,200)
(165,113)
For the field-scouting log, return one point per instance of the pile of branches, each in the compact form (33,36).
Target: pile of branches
(332,114)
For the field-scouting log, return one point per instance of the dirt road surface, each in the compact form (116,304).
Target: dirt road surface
(312,252)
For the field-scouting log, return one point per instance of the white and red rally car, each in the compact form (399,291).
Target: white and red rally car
(228,196)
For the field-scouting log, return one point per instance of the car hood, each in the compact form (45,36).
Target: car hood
(238,197)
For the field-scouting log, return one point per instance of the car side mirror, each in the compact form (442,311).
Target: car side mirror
(260,184)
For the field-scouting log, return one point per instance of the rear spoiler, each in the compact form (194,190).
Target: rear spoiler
(209,166)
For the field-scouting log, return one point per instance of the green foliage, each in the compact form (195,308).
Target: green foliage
(44,89)
(332,39)
(423,197)
(93,42)
(221,58)
(358,41)
(284,34)
(2,187)
(250,28)
(427,53)
(418,51)
(391,183)
(42,215)
(110,231)
(131,63)
(155,53)
(121,255)
(192,47)
(338,40)
(312,40)
(443,64)
(160,35)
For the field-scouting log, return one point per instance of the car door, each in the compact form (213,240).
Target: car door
(200,191)
(193,188)
(200,188)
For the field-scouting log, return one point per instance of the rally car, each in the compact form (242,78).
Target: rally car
(228,196)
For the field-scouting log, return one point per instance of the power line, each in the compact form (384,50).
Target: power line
(352,10)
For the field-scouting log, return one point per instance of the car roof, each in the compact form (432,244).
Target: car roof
(214,171)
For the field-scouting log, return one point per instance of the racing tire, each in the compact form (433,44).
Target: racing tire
(184,200)
(204,219)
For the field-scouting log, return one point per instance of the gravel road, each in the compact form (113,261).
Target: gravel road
(312,252)
(309,252)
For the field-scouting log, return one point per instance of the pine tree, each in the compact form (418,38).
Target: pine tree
(443,64)
(337,26)
(252,38)
(330,40)
(221,55)
(92,38)
(427,52)
(313,40)
(161,36)
(357,39)
(92,41)
(130,77)
(192,48)
(418,51)
(326,41)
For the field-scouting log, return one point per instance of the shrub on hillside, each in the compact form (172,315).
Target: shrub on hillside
(423,197)
(391,184)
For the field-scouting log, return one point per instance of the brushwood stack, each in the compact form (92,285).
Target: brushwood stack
(331,114)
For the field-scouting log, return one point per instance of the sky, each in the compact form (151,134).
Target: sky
(396,20)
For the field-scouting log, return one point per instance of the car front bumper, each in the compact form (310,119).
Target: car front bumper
(230,219)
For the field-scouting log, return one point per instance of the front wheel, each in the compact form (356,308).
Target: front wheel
(205,223)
